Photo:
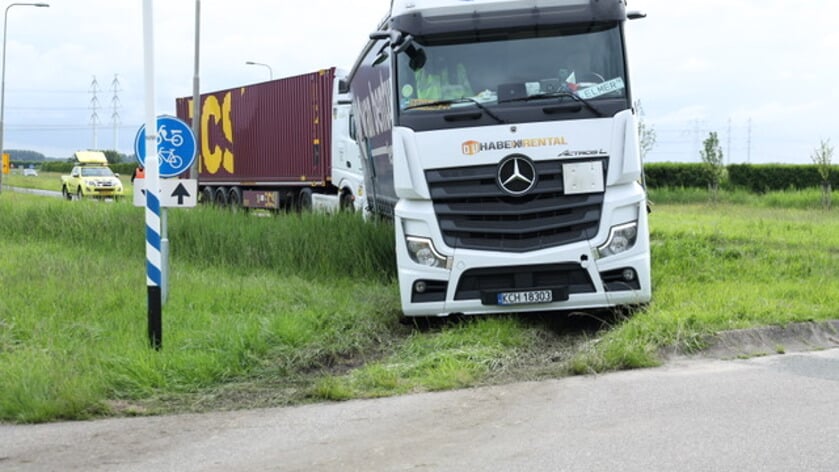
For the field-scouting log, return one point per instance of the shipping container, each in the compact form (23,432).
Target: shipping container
(273,144)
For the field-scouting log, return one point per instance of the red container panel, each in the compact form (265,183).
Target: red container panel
(272,132)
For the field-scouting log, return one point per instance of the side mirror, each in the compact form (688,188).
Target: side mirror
(377,35)
(343,86)
(381,56)
(635,15)
(417,56)
(404,43)
(395,37)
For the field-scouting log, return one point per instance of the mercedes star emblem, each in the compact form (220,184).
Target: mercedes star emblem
(516,175)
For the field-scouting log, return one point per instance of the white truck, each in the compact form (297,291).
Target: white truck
(500,137)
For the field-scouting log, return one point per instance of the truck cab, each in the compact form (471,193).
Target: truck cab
(501,139)
(347,168)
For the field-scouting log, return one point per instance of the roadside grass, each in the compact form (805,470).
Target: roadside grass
(806,199)
(73,316)
(767,261)
(52,181)
(298,308)
(43,181)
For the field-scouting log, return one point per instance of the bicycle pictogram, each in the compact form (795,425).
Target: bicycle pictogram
(168,156)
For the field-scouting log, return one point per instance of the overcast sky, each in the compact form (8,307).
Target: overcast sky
(760,73)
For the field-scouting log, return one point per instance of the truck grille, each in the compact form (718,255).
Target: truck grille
(474,213)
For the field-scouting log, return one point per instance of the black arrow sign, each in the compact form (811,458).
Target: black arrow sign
(180,192)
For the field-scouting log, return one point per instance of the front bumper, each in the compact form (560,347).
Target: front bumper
(474,276)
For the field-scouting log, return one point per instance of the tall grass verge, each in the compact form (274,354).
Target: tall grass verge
(807,199)
(248,296)
(311,245)
(722,267)
(293,308)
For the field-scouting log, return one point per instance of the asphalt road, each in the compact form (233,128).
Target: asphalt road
(774,413)
(45,193)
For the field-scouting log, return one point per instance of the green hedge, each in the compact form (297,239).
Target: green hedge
(123,168)
(759,178)
(675,175)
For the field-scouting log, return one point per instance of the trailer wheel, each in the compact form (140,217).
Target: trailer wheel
(206,196)
(220,198)
(304,199)
(234,198)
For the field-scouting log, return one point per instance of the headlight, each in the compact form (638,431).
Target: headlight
(621,238)
(422,252)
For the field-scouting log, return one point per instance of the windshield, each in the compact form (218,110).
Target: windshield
(97,172)
(510,70)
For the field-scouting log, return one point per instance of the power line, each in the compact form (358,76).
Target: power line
(61,127)
(40,92)
(47,108)
(116,106)
(94,105)
(728,139)
(749,154)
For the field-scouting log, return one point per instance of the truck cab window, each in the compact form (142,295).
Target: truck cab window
(511,70)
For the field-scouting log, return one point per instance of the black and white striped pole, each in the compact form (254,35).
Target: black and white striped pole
(152,184)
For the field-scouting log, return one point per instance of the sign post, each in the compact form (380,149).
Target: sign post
(153,272)
(167,150)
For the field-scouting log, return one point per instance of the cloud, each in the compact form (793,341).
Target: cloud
(695,65)
(681,116)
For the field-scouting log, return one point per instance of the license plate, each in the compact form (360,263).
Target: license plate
(525,298)
(583,177)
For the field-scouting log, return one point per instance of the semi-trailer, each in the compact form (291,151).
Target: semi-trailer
(281,144)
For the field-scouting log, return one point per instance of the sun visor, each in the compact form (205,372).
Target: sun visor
(484,16)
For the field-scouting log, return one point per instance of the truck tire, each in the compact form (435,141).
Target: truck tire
(206,196)
(220,199)
(304,199)
(234,198)
(346,201)
(79,194)
(66,193)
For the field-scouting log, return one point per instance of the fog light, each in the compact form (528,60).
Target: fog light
(422,252)
(628,275)
(621,238)
(420,286)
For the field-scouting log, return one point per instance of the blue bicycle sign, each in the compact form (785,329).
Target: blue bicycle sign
(176,147)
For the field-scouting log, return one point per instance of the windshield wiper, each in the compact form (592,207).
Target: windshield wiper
(450,101)
(558,93)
